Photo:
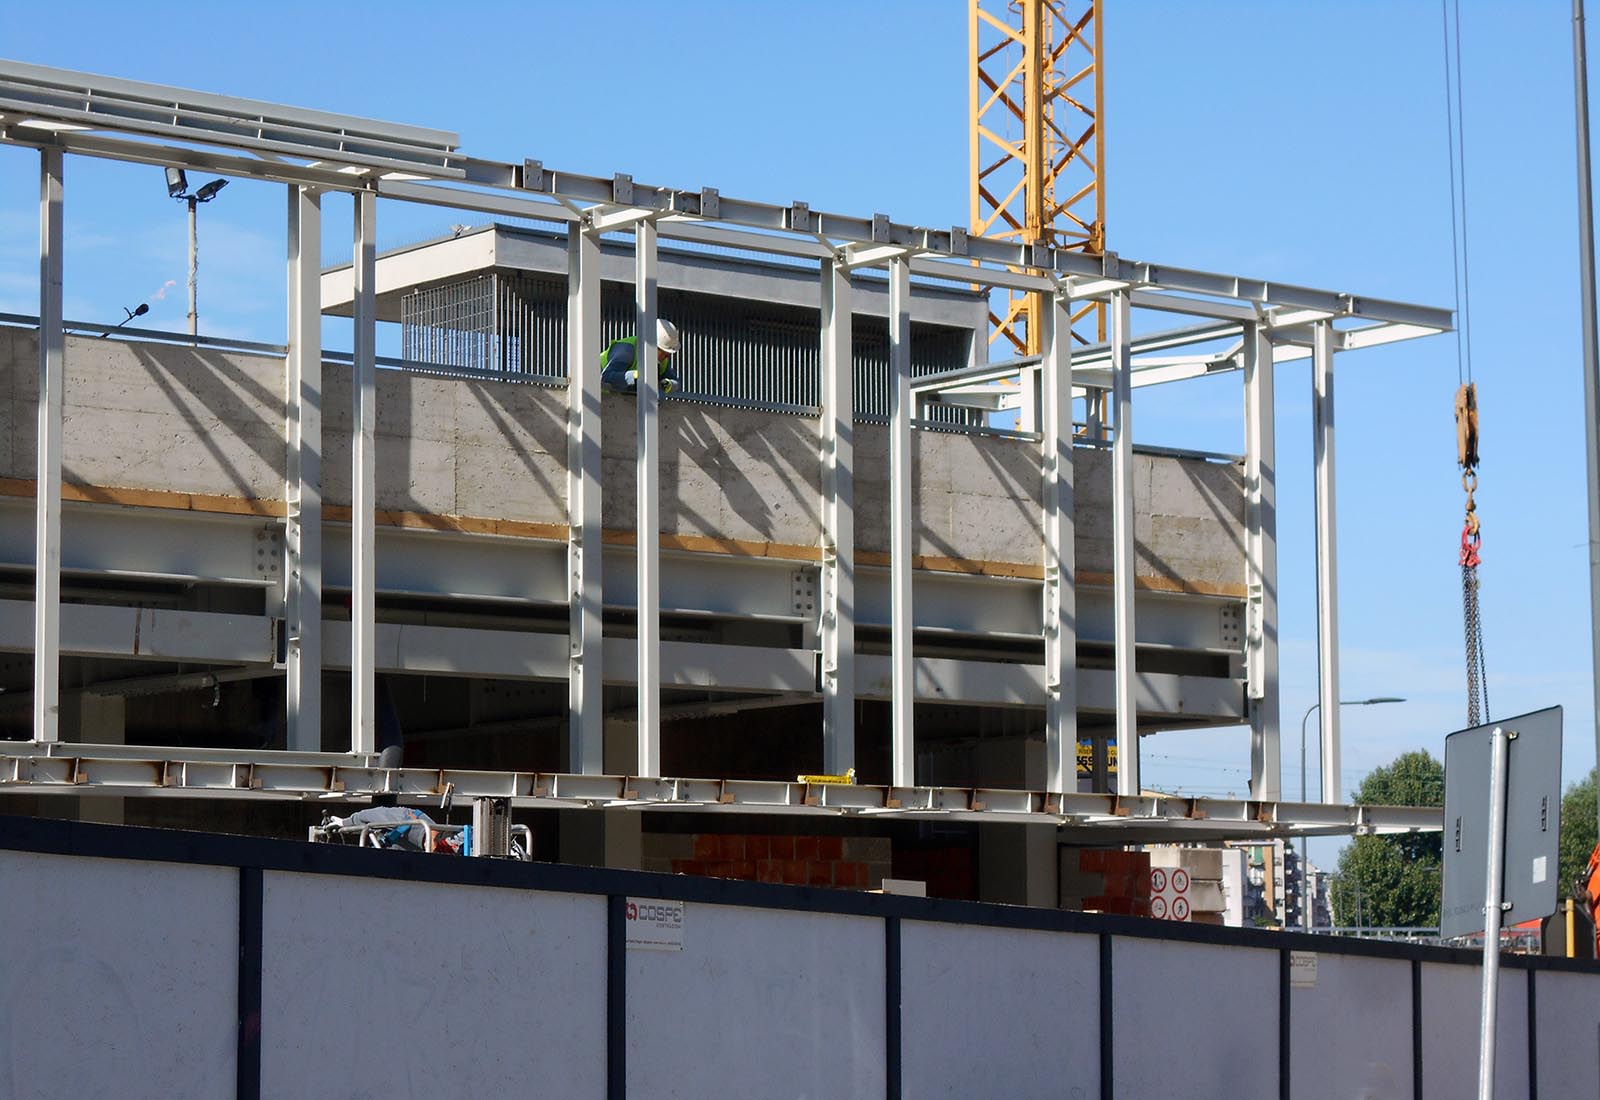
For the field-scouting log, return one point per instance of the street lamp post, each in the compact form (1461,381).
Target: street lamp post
(1305,862)
(178,188)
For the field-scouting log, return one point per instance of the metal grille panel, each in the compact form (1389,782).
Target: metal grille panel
(734,350)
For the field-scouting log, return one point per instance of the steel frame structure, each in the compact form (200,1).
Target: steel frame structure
(1259,323)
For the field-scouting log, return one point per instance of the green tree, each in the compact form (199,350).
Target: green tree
(1577,831)
(1393,881)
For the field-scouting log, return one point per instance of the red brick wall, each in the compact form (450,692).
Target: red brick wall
(1101,880)
(850,862)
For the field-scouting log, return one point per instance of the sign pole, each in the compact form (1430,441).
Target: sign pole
(1492,901)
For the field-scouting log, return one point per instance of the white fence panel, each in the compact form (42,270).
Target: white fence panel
(119,979)
(999,1012)
(1194,1020)
(759,1003)
(379,988)
(1452,997)
(1350,1031)
(1569,1033)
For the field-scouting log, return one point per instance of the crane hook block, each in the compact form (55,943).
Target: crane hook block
(1467,425)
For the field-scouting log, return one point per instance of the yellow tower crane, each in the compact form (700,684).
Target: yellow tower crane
(1038,148)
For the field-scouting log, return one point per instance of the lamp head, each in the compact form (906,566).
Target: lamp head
(209,191)
(177,183)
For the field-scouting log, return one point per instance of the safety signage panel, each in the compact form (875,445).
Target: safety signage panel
(1169,893)
(654,925)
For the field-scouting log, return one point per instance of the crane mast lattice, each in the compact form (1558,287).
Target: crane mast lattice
(1037,143)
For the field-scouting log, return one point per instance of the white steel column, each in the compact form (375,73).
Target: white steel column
(47,510)
(363,477)
(586,728)
(1060,551)
(302,543)
(902,620)
(837,617)
(648,526)
(1261,548)
(1327,558)
(1123,547)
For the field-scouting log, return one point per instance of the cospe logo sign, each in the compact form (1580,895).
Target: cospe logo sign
(654,925)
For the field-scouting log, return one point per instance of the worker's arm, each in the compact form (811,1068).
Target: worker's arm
(619,361)
(669,376)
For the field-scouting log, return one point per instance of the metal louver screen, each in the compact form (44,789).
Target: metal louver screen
(750,353)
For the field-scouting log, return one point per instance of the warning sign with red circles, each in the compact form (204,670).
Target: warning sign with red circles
(1169,893)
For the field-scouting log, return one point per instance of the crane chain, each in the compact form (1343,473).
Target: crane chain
(1466,407)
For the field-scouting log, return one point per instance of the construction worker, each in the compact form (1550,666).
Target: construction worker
(619,372)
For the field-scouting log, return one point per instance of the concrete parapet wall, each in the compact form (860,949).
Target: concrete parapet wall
(143,416)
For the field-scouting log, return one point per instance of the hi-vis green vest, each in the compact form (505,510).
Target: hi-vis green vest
(663,368)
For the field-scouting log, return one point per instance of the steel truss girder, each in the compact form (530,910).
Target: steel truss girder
(787,227)
(213,638)
(29,92)
(333,778)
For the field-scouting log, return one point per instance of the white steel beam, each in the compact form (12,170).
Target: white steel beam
(837,614)
(648,525)
(82,769)
(902,619)
(1123,546)
(1060,552)
(363,477)
(586,670)
(1327,558)
(302,543)
(1261,553)
(47,510)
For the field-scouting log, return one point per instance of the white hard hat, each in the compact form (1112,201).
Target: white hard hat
(667,337)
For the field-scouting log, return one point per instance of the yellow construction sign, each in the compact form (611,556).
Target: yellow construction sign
(1086,758)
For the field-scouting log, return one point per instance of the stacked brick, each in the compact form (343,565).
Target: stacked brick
(1100,880)
(859,863)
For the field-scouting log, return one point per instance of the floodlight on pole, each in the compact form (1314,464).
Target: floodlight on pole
(178,188)
(209,191)
(1305,861)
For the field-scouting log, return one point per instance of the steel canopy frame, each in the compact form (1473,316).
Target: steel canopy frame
(1265,322)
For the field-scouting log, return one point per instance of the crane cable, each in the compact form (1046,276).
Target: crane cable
(1466,396)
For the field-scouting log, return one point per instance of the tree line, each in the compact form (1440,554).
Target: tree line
(1394,881)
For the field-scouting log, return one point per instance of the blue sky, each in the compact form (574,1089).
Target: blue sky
(1297,141)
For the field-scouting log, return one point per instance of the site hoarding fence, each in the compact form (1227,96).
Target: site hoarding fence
(279,967)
